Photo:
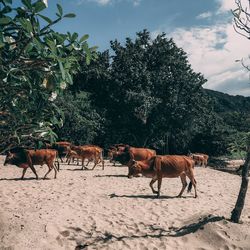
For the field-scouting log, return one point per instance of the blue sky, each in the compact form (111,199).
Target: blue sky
(203,28)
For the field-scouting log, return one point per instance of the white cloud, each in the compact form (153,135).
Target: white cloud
(228,5)
(213,50)
(107,2)
(99,2)
(205,15)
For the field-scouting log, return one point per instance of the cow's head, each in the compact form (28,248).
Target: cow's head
(10,158)
(134,169)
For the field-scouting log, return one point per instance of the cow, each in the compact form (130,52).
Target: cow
(114,151)
(169,166)
(138,154)
(25,159)
(90,152)
(62,148)
(200,159)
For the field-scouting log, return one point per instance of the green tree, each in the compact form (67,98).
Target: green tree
(36,65)
(81,123)
(152,92)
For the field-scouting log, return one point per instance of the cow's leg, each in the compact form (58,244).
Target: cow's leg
(102,164)
(159,185)
(54,166)
(193,181)
(61,159)
(57,164)
(95,163)
(184,184)
(33,170)
(24,171)
(68,160)
(154,179)
(83,164)
(50,168)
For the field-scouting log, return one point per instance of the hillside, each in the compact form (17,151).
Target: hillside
(228,103)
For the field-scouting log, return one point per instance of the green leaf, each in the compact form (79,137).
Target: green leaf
(83,38)
(70,15)
(29,47)
(48,20)
(94,48)
(6,9)
(74,36)
(59,7)
(5,20)
(39,6)
(27,3)
(62,70)
(25,24)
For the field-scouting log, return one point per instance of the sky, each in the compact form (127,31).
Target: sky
(203,28)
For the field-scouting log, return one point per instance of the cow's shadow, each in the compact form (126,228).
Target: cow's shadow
(19,179)
(112,175)
(151,196)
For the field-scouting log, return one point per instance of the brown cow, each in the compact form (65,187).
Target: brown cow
(62,148)
(90,152)
(199,159)
(170,166)
(137,154)
(28,158)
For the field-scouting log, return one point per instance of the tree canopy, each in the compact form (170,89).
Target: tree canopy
(36,65)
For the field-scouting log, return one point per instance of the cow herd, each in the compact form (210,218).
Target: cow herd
(140,161)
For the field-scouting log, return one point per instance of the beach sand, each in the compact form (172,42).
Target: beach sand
(106,210)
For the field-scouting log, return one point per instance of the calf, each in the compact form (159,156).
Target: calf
(28,158)
(90,152)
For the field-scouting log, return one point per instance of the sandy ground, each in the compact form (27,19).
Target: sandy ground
(106,210)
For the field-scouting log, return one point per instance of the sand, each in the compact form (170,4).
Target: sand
(106,210)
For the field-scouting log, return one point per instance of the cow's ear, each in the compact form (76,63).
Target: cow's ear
(8,153)
(133,161)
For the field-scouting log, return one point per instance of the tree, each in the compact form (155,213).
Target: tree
(154,93)
(36,64)
(81,123)
(242,26)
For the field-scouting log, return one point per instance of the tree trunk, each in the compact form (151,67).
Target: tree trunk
(235,214)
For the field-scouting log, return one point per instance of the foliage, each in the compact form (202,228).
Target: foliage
(81,123)
(147,91)
(36,64)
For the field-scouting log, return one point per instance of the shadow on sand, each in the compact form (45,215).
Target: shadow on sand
(152,196)
(155,232)
(112,175)
(19,179)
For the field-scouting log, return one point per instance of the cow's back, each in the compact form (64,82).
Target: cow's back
(173,165)
(41,156)
(141,154)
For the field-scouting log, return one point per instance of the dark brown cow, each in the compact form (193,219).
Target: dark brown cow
(170,166)
(61,147)
(28,158)
(138,154)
